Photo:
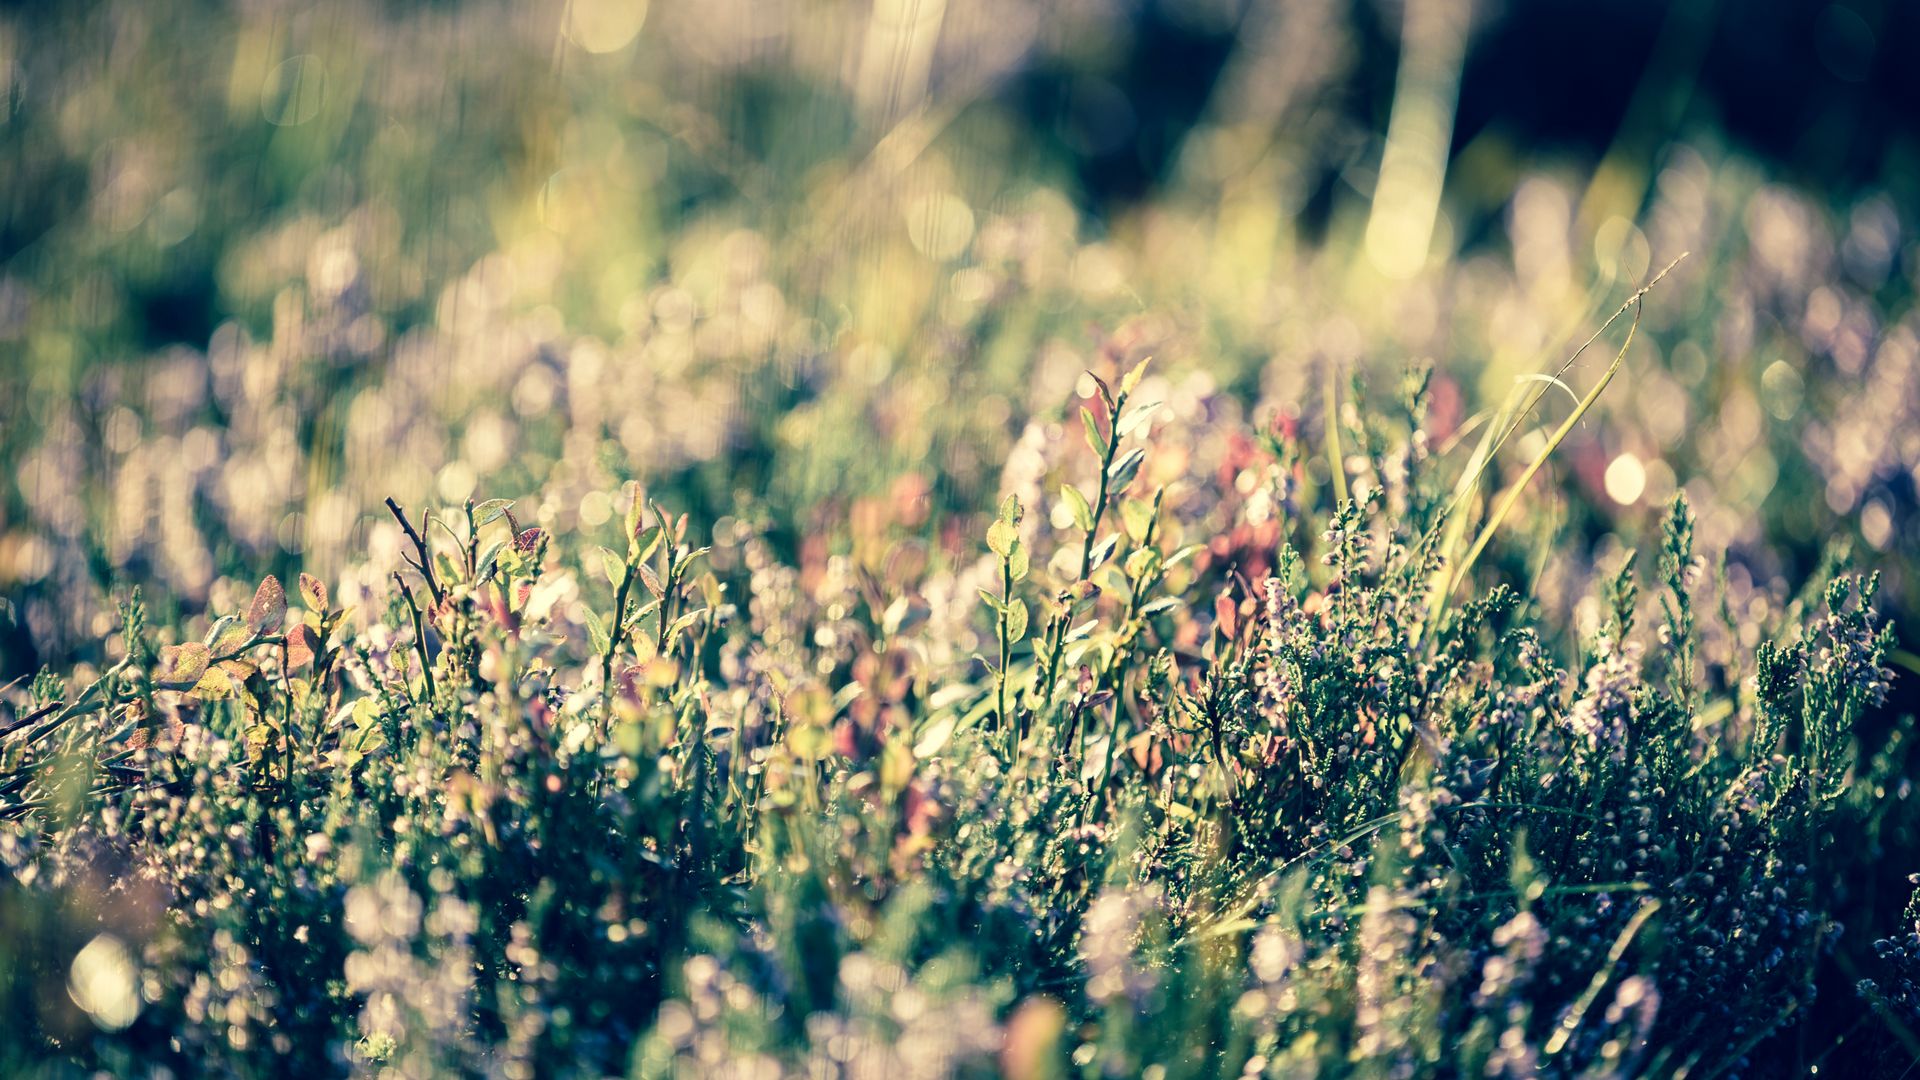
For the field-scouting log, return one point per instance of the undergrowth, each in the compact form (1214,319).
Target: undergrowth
(1142,775)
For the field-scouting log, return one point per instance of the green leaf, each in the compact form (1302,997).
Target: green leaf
(643,544)
(1075,653)
(1019,562)
(1082,510)
(641,612)
(1001,536)
(1131,380)
(1142,563)
(258,738)
(1135,418)
(227,635)
(1103,549)
(489,559)
(991,600)
(1137,516)
(1016,621)
(217,684)
(1125,469)
(613,565)
(597,633)
(490,511)
(182,665)
(1094,438)
(1182,555)
(313,593)
(935,737)
(847,695)
(636,507)
(1010,511)
(685,622)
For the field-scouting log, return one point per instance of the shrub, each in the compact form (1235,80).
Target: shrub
(1151,773)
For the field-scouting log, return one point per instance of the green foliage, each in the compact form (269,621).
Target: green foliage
(1196,819)
(1291,717)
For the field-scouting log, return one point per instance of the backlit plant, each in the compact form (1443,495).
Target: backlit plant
(1320,807)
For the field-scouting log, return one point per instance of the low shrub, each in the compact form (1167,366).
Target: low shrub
(1150,773)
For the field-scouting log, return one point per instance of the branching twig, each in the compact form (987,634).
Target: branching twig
(425,563)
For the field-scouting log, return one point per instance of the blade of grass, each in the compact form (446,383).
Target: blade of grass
(1455,515)
(1512,494)
(1536,376)
(1564,1032)
(1336,466)
(1509,420)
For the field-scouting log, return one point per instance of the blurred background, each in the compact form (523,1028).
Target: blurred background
(263,264)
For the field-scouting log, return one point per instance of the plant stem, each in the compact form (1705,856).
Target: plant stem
(615,635)
(1006,653)
(419,634)
(1057,628)
(425,565)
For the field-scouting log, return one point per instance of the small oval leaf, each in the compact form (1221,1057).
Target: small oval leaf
(1095,440)
(182,665)
(1016,621)
(490,511)
(1001,536)
(613,565)
(227,635)
(313,593)
(1125,469)
(1019,562)
(268,612)
(301,645)
(1077,503)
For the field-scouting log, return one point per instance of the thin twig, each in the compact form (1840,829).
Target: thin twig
(425,565)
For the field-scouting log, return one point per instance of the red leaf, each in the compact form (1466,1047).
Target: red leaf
(269,609)
(1228,615)
(301,645)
